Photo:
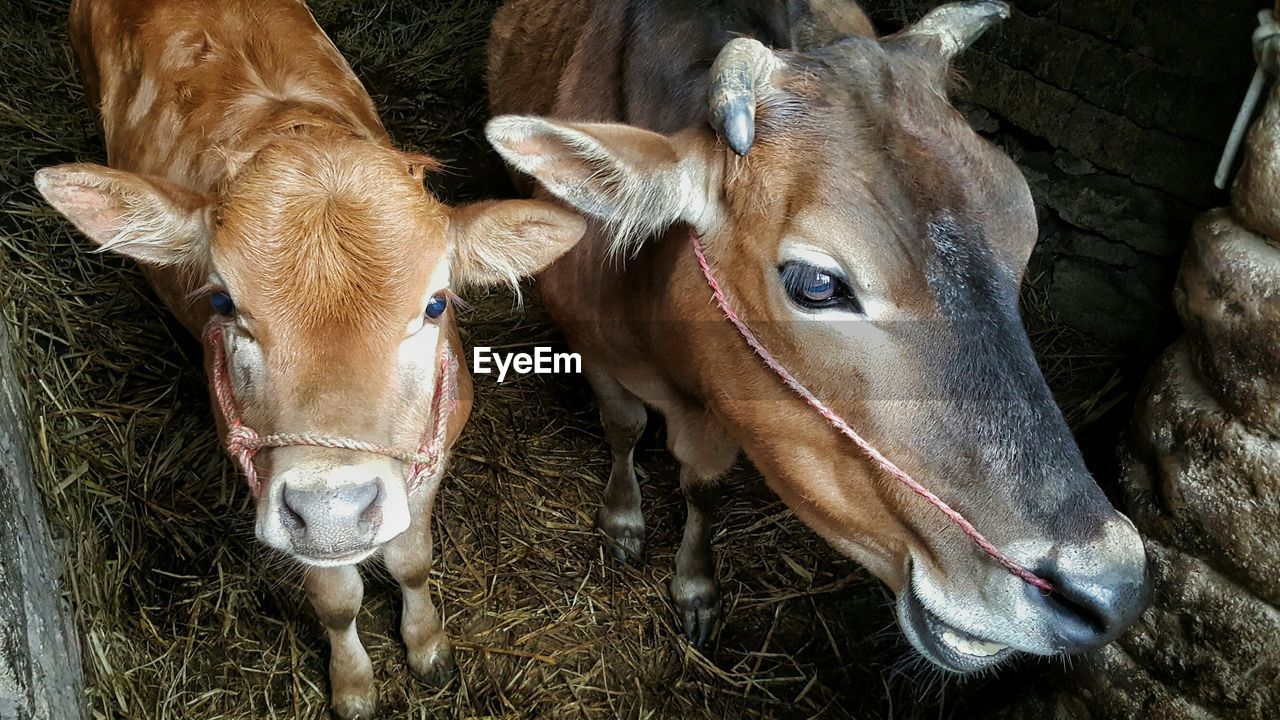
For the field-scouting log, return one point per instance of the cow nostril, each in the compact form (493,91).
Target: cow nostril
(292,520)
(1068,602)
(371,515)
(332,517)
(1093,610)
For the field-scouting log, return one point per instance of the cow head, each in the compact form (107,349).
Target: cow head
(876,245)
(329,267)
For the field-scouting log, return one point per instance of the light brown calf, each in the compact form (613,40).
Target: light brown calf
(250,175)
(873,241)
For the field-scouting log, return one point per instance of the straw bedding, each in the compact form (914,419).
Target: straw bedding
(182,615)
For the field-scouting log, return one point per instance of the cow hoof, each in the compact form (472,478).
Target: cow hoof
(356,705)
(623,535)
(697,601)
(433,664)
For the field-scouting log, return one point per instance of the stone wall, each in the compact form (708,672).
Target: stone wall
(1200,476)
(40,676)
(1117,111)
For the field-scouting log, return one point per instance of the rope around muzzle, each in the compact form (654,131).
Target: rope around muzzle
(838,422)
(243,442)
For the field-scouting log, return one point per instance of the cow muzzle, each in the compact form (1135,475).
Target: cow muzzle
(973,617)
(334,516)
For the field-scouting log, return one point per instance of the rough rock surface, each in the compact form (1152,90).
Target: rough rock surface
(1201,479)
(1116,111)
(40,677)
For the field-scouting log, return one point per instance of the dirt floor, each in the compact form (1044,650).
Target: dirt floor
(183,615)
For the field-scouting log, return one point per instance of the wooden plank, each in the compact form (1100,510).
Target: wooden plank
(40,673)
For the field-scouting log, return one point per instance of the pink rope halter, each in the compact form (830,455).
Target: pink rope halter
(243,443)
(838,422)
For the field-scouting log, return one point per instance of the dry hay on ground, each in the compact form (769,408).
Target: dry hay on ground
(182,615)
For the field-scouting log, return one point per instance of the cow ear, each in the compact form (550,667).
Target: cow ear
(502,241)
(636,181)
(147,219)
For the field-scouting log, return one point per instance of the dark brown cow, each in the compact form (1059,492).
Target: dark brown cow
(873,241)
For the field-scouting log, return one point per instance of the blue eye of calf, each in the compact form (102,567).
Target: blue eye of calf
(222,304)
(436,306)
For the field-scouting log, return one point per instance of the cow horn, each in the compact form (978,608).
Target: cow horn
(742,74)
(956,25)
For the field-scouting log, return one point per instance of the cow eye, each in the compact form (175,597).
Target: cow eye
(222,304)
(814,288)
(436,306)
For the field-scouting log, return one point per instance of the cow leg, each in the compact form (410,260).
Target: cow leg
(623,417)
(705,453)
(336,594)
(408,559)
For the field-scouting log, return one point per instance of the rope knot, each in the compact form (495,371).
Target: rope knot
(241,440)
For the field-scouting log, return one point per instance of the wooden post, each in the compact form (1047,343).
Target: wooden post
(40,675)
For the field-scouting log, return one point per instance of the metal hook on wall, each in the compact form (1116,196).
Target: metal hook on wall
(1266,50)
